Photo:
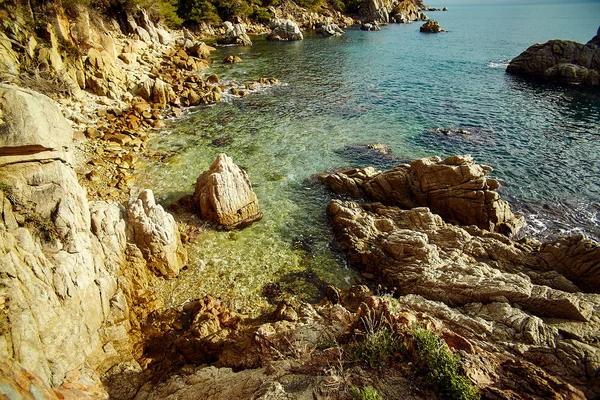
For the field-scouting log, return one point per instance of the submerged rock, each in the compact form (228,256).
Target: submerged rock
(431,26)
(285,29)
(224,195)
(456,188)
(563,61)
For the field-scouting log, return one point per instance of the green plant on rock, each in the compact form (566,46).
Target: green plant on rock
(441,367)
(381,342)
(44,226)
(366,393)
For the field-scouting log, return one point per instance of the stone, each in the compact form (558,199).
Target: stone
(232,60)
(374,26)
(431,26)
(375,11)
(563,61)
(156,234)
(235,34)
(33,127)
(406,12)
(284,30)
(9,61)
(224,195)
(456,188)
(328,30)
(200,50)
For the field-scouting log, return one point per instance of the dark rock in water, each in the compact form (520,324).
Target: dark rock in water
(445,9)
(375,154)
(450,131)
(562,61)
(431,26)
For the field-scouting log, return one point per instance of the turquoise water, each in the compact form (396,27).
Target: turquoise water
(391,87)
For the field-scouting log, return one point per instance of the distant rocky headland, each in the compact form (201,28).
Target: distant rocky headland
(561,61)
(451,305)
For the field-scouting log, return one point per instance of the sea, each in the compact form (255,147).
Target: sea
(396,86)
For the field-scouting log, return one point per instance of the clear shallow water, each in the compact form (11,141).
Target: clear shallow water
(390,86)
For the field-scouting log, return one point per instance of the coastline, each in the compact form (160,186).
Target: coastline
(500,333)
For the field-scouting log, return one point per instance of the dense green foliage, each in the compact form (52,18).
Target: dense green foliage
(441,367)
(366,393)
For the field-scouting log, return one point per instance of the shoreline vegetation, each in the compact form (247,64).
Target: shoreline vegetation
(450,306)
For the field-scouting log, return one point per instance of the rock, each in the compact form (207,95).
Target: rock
(200,50)
(487,285)
(156,234)
(235,34)
(224,195)
(563,61)
(9,61)
(445,9)
(370,27)
(431,26)
(328,30)
(375,11)
(456,188)
(33,127)
(284,29)
(232,60)
(406,12)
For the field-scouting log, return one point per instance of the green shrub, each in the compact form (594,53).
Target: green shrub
(380,343)
(367,393)
(262,15)
(197,11)
(441,367)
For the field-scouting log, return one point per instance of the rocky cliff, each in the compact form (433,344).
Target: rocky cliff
(74,276)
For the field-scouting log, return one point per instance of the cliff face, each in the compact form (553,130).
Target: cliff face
(71,282)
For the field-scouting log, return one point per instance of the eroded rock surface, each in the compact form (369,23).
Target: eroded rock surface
(456,188)
(560,60)
(235,34)
(284,30)
(224,195)
(503,296)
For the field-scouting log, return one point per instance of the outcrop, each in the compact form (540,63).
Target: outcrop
(562,61)
(328,29)
(235,34)
(72,283)
(284,30)
(385,11)
(431,26)
(456,188)
(224,195)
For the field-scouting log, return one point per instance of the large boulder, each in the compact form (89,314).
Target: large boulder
(328,29)
(235,34)
(224,195)
(378,11)
(431,26)
(156,234)
(456,188)
(31,127)
(285,29)
(563,61)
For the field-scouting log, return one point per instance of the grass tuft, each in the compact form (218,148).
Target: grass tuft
(366,393)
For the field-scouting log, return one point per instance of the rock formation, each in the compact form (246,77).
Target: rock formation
(431,26)
(235,34)
(406,12)
(563,61)
(500,295)
(328,29)
(368,26)
(224,195)
(385,11)
(456,188)
(285,29)
(71,284)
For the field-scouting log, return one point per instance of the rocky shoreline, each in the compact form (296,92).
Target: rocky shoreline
(81,250)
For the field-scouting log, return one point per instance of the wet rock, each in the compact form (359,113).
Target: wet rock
(224,195)
(235,34)
(325,29)
(232,60)
(370,26)
(456,188)
(284,30)
(560,60)
(156,234)
(431,26)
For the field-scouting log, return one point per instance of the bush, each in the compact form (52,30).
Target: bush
(262,15)
(197,11)
(380,343)
(441,367)
(367,393)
